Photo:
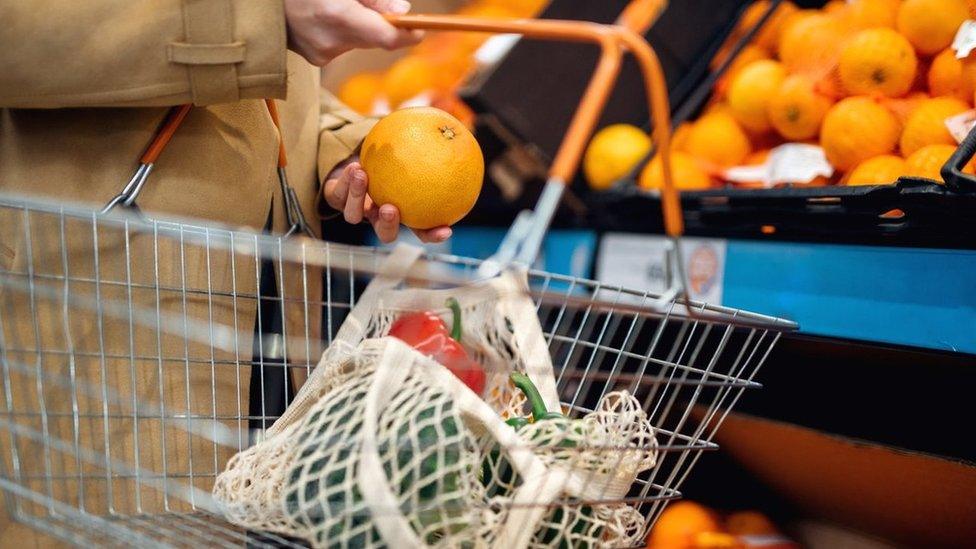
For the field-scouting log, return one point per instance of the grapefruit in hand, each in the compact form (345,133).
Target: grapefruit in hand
(426,163)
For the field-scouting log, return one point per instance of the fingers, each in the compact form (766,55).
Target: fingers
(321,30)
(348,194)
(371,30)
(398,7)
(336,189)
(435,235)
(386,222)
(355,203)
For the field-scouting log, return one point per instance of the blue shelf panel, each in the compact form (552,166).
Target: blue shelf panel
(906,296)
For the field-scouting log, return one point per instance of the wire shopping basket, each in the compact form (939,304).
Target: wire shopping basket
(127,347)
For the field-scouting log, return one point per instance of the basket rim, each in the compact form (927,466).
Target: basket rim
(325,253)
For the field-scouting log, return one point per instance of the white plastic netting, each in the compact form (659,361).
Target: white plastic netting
(385,447)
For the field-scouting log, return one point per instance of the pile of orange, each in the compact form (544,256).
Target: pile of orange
(690,525)
(431,72)
(871,82)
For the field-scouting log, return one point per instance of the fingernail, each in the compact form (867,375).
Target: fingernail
(387,213)
(399,6)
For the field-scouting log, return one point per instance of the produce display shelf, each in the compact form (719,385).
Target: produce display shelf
(911,212)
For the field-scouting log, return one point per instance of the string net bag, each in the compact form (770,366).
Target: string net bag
(384,446)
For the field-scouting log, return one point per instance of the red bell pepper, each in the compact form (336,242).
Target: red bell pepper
(427,333)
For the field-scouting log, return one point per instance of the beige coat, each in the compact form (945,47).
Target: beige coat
(83,86)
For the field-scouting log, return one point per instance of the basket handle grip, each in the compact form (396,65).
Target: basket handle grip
(952,172)
(613,41)
(174,118)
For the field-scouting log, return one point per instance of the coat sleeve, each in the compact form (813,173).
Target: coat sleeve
(69,53)
(341,131)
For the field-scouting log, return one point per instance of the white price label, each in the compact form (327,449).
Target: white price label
(961,124)
(639,262)
(796,163)
(965,41)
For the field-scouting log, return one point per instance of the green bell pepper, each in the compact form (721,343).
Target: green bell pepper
(495,481)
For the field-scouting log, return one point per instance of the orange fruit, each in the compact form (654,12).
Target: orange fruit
(768,35)
(969,72)
(410,77)
(927,162)
(612,153)
(790,20)
(946,77)
(751,91)
(746,57)
(717,107)
(717,540)
(972,8)
(749,523)
(880,170)
(426,163)
(855,129)
(360,91)
(926,124)
(686,174)
(451,53)
(796,110)
(717,139)
(679,138)
(680,524)
(834,7)
(878,61)
(812,44)
(453,105)
(903,107)
(869,14)
(931,25)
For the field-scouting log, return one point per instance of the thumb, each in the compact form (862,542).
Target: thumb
(398,7)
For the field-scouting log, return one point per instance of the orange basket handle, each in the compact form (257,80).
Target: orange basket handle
(613,41)
(639,15)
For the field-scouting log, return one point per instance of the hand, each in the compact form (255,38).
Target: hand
(345,190)
(321,30)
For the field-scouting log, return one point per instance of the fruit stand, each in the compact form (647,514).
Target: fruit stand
(812,145)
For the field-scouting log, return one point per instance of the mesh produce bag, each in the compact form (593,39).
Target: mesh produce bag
(385,447)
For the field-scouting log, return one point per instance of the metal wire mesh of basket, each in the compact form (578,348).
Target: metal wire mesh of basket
(126,373)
